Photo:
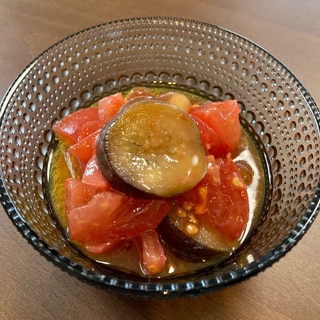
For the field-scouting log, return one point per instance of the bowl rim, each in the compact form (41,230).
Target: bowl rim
(155,289)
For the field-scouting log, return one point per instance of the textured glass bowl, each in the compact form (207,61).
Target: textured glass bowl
(194,56)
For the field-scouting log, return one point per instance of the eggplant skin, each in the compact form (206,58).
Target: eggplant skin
(183,246)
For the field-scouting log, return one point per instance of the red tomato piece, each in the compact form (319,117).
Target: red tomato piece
(138,92)
(113,216)
(78,194)
(102,247)
(90,127)
(227,200)
(109,106)
(152,253)
(85,148)
(220,200)
(93,176)
(211,141)
(68,129)
(137,216)
(90,222)
(223,118)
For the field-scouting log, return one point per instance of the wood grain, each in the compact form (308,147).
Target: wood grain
(32,288)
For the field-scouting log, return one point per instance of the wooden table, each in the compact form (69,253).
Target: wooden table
(32,288)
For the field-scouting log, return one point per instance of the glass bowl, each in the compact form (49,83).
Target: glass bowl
(196,57)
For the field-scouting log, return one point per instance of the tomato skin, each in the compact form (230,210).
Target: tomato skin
(223,118)
(68,129)
(109,106)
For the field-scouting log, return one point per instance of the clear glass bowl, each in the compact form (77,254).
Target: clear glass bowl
(191,55)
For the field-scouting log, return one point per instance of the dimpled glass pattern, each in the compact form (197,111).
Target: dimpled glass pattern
(194,56)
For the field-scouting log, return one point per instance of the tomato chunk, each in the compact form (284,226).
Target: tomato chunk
(110,215)
(93,176)
(211,141)
(78,194)
(138,92)
(90,127)
(85,148)
(228,204)
(90,222)
(137,216)
(102,247)
(223,118)
(69,128)
(220,200)
(152,253)
(109,106)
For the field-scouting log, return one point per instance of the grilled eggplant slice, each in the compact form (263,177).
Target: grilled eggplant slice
(151,148)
